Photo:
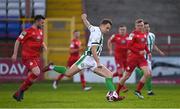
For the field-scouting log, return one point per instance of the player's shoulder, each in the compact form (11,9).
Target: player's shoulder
(93,28)
(132,34)
(152,34)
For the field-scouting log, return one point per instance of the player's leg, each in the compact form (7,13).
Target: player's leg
(116,74)
(142,81)
(32,77)
(131,64)
(83,81)
(148,83)
(121,72)
(107,74)
(139,72)
(56,81)
(149,80)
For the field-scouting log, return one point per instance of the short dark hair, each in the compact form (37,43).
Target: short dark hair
(146,23)
(38,17)
(106,21)
(139,21)
(122,26)
(75,31)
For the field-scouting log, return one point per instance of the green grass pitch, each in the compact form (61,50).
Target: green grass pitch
(70,95)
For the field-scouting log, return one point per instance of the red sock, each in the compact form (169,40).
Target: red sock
(140,86)
(28,82)
(119,88)
(115,74)
(60,76)
(120,76)
(83,82)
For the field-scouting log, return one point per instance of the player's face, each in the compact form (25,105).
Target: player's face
(76,34)
(139,26)
(147,28)
(40,23)
(105,28)
(122,30)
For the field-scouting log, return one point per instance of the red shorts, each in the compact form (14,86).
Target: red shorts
(134,61)
(31,63)
(72,60)
(121,61)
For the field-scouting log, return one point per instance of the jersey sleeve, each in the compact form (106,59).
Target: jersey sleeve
(72,45)
(131,35)
(23,36)
(91,28)
(113,38)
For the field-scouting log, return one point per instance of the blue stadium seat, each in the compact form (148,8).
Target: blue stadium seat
(13,13)
(13,29)
(3,27)
(27,25)
(3,13)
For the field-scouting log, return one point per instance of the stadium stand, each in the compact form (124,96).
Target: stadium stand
(163,16)
(12,21)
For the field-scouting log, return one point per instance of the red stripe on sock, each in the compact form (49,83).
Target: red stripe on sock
(140,86)
(83,82)
(28,82)
(60,76)
(119,88)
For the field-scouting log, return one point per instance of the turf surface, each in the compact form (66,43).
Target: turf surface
(70,95)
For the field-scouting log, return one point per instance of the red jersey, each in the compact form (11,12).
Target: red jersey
(138,42)
(120,43)
(75,44)
(31,40)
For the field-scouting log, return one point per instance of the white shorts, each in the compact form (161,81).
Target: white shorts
(86,62)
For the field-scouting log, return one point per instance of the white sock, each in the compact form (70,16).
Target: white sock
(51,67)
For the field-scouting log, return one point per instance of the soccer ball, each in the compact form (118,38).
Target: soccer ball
(112,96)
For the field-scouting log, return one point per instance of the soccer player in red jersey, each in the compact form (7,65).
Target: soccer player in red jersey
(75,48)
(120,42)
(32,42)
(137,48)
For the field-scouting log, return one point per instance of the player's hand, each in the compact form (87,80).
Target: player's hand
(45,48)
(110,52)
(14,57)
(84,16)
(162,53)
(142,52)
(99,65)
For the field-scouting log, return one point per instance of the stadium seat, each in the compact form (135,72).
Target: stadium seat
(3,29)
(13,29)
(23,8)
(3,5)
(27,25)
(13,5)
(15,1)
(13,13)
(3,13)
(39,7)
(39,12)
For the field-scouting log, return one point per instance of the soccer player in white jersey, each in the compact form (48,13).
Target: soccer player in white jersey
(151,45)
(90,58)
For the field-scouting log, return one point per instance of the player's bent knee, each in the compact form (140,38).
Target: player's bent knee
(36,71)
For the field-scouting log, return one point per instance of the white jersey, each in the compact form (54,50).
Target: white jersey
(87,60)
(95,38)
(150,42)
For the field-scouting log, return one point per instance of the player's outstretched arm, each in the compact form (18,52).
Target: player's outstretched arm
(16,47)
(158,50)
(109,45)
(85,21)
(44,46)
